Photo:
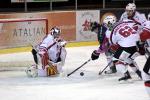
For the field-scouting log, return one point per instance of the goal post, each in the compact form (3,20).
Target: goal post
(20,32)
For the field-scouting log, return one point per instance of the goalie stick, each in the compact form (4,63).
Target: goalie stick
(79,67)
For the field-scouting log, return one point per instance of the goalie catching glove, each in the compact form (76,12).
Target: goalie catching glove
(95,55)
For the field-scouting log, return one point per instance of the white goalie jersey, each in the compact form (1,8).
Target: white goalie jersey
(52,50)
(51,54)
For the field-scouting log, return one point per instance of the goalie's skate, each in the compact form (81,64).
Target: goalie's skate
(32,71)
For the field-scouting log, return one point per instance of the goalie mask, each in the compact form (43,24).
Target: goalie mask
(55,31)
(32,71)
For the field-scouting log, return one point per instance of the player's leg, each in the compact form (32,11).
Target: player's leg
(146,75)
(122,68)
(112,67)
(135,68)
(119,59)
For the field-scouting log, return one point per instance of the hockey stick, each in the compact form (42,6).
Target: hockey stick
(100,72)
(79,67)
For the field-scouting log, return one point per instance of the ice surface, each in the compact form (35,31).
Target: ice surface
(14,85)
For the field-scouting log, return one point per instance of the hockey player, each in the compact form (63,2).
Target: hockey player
(139,20)
(132,14)
(126,37)
(103,33)
(49,55)
(145,37)
(107,46)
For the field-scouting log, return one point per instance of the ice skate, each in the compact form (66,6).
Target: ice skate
(112,70)
(125,78)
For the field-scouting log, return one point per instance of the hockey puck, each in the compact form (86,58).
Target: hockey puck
(81,74)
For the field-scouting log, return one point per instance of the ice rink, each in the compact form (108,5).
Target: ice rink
(15,85)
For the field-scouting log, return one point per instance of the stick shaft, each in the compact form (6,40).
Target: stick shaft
(78,67)
(100,72)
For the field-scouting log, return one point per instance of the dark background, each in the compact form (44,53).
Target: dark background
(7,6)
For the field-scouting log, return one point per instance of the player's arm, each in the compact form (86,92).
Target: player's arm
(102,48)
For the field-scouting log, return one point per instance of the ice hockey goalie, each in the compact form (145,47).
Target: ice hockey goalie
(49,55)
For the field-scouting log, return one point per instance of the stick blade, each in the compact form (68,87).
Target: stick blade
(100,72)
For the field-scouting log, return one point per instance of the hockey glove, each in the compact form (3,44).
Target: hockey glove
(95,55)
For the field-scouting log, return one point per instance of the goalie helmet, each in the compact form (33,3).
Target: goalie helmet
(55,31)
(32,71)
(109,21)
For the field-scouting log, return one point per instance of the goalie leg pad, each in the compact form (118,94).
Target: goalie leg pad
(44,57)
(63,56)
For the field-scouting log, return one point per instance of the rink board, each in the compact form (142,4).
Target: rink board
(27,49)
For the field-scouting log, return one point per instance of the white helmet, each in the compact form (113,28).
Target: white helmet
(109,20)
(32,71)
(55,31)
(131,6)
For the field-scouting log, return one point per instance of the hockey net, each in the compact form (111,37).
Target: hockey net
(22,32)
